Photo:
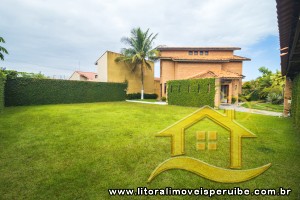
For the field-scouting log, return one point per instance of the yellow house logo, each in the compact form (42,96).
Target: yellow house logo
(237,132)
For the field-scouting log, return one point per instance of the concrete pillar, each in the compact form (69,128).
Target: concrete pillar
(287,97)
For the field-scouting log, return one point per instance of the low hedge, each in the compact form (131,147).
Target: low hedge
(138,96)
(295,107)
(2,85)
(30,91)
(193,92)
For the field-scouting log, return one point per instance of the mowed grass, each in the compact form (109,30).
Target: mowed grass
(80,151)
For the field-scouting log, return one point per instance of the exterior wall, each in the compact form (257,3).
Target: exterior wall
(233,67)
(157,88)
(102,68)
(184,70)
(185,54)
(120,72)
(167,72)
(76,77)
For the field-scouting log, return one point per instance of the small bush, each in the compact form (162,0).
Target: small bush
(233,100)
(138,96)
(274,98)
(163,99)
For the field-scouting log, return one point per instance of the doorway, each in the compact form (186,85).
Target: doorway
(224,93)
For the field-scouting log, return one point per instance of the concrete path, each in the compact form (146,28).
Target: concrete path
(223,106)
(157,103)
(249,110)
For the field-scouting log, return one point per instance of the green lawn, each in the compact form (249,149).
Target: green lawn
(146,100)
(263,106)
(79,151)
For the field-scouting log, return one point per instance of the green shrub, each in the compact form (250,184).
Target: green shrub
(2,85)
(233,100)
(192,92)
(295,107)
(163,99)
(30,91)
(274,98)
(138,96)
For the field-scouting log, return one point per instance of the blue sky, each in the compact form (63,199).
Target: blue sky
(56,37)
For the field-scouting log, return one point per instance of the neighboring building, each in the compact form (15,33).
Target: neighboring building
(203,62)
(157,87)
(110,71)
(83,76)
(289,33)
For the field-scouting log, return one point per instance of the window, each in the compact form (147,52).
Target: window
(96,76)
(195,52)
(190,52)
(201,52)
(165,88)
(206,52)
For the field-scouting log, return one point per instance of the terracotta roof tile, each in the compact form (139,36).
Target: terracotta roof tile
(216,74)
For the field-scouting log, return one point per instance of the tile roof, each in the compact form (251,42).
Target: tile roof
(166,48)
(88,75)
(207,59)
(216,74)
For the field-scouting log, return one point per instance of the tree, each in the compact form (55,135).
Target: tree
(139,53)
(2,49)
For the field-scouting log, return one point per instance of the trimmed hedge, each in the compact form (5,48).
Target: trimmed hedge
(138,96)
(193,92)
(2,85)
(295,108)
(30,91)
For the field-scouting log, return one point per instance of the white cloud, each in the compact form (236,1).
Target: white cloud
(63,32)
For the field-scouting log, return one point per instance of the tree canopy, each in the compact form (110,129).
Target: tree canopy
(2,49)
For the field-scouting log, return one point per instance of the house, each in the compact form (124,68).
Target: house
(83,76)
(237,132)
(289,34)
(111,71)
(178,63)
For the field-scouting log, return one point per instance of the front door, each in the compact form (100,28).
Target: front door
(224,93)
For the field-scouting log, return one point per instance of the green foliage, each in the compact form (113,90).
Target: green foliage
(295,109)
(139,52)
(274,98)
(163,98)
(260,88)
(2,49)
(233,100)
(193,92)
(138,96)
(11,74)
(30,91)
(2,85)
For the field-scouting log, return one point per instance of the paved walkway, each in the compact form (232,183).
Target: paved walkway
(223,106)
(146,102)
(249,110)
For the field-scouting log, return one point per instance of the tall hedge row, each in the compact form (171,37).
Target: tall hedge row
(29,91)
(295,109)
(2,85)
(193,92)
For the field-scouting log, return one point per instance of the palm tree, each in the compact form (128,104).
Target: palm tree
(139,53)
(2,49)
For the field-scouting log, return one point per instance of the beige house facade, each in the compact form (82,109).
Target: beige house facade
(111,71)
(177,63)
